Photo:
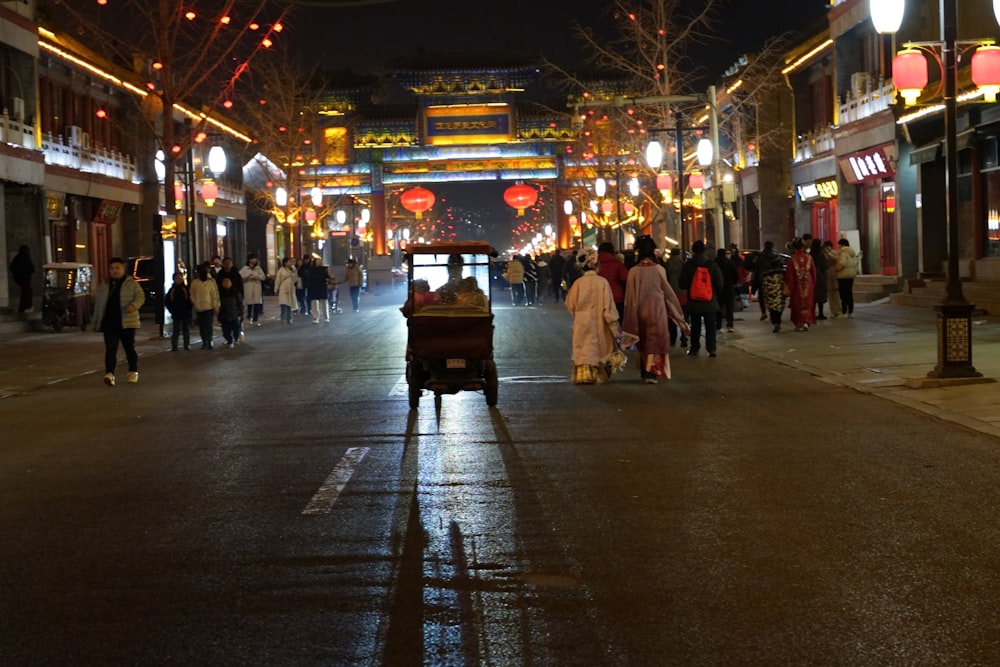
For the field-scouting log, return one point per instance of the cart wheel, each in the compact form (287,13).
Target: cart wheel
(413,377)
(492,383)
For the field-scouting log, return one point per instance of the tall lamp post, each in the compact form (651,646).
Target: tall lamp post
(954,326)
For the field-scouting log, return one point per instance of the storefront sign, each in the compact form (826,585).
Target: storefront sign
(467,124)
(871,164)
(107,212)
(818,190)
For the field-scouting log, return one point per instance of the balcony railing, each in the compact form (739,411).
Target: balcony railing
(811,144)
(865,104)
(92,160)
(13,131)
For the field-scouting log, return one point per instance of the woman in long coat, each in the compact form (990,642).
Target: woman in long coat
(650,303)
(595,324)
(284,286)
(800,278)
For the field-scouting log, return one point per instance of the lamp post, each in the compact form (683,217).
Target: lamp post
(954,324)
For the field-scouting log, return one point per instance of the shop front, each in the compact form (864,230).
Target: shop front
(871,174)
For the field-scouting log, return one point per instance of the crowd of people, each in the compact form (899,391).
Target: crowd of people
(652,301)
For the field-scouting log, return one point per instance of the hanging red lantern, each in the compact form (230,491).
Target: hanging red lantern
(607,207)
(310,215)
(520,196)
(909,74)
(664,183)
(890,203)
(417,200)
(209,192)
(986,71)
(696,181)
(629,208)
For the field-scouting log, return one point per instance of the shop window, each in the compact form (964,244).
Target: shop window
(992,199)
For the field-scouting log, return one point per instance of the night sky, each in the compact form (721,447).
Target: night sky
(362,38)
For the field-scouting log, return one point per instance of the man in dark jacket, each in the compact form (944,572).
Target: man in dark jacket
(228,271)
(727,296)
(556,265)
(698,310)
(21,268)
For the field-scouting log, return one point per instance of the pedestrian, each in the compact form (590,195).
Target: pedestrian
(846,270)
(650,304)
(595,325)
(727,295)
(317,291)
(702,304)
(301,269)
(21,268)
(355,279)
(544,278)
(116,315)
(820,291)
(515,277)
(571,270)
(286,287)
(178,304)
(800,280)
(229,271)
(215,266)
(771,275)
(205,302)
(556,266)
(230,307)
(832,293)
(530,280)
(613,270)
(674,265)
(253,277)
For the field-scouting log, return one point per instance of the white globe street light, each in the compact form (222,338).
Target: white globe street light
(705,151)
(633,186)
(317,196)
(217,160)
(600,187)
(281,196)
(654,152)
(887,15)
(568,204)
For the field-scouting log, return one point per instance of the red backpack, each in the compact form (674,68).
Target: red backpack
(701,285)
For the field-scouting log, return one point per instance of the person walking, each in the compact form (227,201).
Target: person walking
(613,270)
(230,272)
(702,305)
(253,277)
(674,265)
(556,265)
(820,290)
(846,271)
(230,308)
(515,276)
(771,274)
(178,304)
(21,270)
(286,287)
(544,278)
(595,325)
(116,315)
(317,290)
(530,280)
(832,293)
(355,279)
(650,303)
(800,281)
(301,269)
(727,295)
(205,302)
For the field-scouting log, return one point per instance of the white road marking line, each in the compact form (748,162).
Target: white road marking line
(324,499)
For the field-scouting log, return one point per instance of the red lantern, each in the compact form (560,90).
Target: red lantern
(607,207)
(890,203)
(629,208)
(178,194)
(909,74)
(664,183)
(209,192)
(696,181)
(310,215)
(417,200)
(986,71)
(520,197)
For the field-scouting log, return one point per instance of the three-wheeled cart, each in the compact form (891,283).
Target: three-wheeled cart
(449,315)
(66,299)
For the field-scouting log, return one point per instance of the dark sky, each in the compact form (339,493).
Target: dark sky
(361,38)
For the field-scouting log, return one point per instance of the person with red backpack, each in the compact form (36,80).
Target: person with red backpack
(702,279)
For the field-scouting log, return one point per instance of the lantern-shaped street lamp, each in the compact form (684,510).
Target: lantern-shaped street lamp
(520,196)
(696,181)
(316,194)
(281,197)
(986,70)
(417,200)
(909,74)
(654,153)
(217,160)
(310,215)
(887,15)
(705,152)
(600,187)
(209,192)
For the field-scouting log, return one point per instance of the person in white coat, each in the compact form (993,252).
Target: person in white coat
(205,302)
(595,324)
(253,291)
(284,287)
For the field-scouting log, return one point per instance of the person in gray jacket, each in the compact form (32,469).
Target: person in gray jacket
(116,314)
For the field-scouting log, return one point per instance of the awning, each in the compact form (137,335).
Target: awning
(931,152)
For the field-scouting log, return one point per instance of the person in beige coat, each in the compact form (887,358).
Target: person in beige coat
(205,302)
(846,270)
(284,286)
(116,315)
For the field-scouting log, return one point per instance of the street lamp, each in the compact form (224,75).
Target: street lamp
(955,313)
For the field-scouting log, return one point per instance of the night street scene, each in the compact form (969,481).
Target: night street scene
(398,333)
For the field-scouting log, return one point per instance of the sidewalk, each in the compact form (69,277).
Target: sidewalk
(876,352)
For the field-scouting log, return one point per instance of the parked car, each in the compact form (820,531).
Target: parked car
(143,269)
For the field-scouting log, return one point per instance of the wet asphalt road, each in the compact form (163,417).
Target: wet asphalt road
(280,504)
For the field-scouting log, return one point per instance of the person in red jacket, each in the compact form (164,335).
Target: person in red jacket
(613,270)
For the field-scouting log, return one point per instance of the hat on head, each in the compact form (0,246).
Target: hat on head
(698,247)
(589,259)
